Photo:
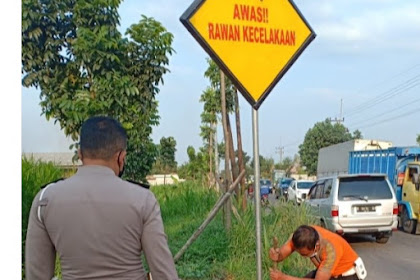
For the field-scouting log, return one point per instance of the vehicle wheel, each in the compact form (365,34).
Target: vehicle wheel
(407,224)
(382,239)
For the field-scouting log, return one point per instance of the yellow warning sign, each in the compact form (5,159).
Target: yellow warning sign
(253,41)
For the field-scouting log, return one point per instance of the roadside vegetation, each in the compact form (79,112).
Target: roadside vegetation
(216,254)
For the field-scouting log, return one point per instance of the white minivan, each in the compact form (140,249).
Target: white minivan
(298,190)
(355,204)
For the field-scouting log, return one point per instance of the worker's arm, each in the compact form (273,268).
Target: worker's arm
(154,243)
(279,254)
(39,250)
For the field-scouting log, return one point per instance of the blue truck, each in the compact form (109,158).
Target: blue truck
(402,165)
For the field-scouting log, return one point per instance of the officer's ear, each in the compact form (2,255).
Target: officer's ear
(121,157)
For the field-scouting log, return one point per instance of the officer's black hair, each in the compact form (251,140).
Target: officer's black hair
(305,237)
(101,137)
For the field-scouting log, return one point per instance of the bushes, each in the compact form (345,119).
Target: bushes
(34,175)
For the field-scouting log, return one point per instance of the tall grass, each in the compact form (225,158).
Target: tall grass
(184,207)
(279,221)
(34,175)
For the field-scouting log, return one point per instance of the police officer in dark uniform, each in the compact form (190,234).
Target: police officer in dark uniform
(97,223)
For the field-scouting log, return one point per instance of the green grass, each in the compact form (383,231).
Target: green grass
(34,175)
(184,208)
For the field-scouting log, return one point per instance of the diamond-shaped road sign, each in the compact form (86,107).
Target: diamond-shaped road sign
(254,42)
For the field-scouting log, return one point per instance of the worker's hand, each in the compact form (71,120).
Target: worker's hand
(276,274)
(275,254)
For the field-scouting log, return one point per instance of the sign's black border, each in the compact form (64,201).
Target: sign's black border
(185,20)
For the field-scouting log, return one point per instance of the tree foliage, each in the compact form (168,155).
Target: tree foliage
(322,134)
(73,52)
(209,115)
(357,134)
(285,164)
(266,166)
(165,161)
(197,166)
(213,74)
(418,139)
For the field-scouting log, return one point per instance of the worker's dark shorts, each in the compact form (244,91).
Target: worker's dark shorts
(350,277)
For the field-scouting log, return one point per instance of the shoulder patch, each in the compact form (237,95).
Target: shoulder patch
(143,185)
(52,182)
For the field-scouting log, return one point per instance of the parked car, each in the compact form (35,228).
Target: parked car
(298,190)
(282,187)
(355,204)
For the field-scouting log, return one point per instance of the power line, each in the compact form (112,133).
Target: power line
(387,112)
(391,77)
(392,118)
(291,144)
(394,76)
(401,88)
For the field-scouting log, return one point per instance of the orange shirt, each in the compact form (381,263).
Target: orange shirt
(336,255)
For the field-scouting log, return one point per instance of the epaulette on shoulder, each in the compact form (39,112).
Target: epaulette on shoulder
(52,182)
(143,185)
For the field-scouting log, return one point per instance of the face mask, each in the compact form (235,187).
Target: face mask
(314,254)
(122,170)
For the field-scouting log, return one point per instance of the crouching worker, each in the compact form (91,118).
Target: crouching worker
(330,253)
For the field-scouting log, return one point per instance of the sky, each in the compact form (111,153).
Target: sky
(366,56)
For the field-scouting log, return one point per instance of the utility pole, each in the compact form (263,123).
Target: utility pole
(280,150)
(341,118)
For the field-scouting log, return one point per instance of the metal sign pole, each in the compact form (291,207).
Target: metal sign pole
(257,194)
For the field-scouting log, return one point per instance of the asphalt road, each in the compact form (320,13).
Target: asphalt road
(397,259)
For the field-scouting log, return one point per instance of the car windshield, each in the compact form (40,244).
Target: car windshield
(265,182)
(304,185)
(286,181)
(363,188)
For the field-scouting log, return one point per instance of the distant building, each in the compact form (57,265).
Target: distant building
(163,179)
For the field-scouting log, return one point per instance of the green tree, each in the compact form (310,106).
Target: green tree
(286,163)
(211,106)
(322,134)
(165,161)
(213,74)
(357,134)
(418,139)
(73,52)
(196,168)
(266,166)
